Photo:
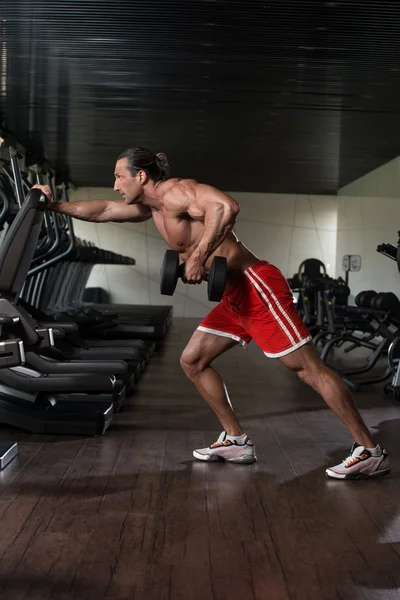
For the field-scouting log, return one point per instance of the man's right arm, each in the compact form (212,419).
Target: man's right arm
(99,211)
(102,211)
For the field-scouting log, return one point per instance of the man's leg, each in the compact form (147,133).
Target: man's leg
(308,365)
(366,460)
(196,361)
(233,444)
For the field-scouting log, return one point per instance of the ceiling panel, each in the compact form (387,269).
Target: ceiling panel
(274,95)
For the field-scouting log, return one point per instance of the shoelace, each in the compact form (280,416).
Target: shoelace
(354,459)
(219,444)
(350,459)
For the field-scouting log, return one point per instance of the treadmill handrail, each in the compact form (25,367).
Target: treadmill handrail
(55,259)
(5,208)
(20,241)
(66,253)
(53,234)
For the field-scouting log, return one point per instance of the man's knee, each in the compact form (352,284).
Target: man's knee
(307,375)
(191,361)
(312,372)
(315,374)
(308,366)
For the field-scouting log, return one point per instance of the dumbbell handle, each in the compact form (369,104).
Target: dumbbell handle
(182,272)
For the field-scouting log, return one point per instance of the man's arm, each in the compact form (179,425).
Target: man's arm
(220,212)
(103,211)
(98,211)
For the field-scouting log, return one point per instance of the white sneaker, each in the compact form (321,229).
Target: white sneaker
(228,450)
(360,464)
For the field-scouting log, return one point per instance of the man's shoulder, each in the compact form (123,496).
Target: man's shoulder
(179,183)
(179,189)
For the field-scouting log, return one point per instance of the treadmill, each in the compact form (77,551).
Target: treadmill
(49,279)
(32,400)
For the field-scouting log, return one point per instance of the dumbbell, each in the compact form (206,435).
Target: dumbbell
(364,298)
(171,271)
(385,301)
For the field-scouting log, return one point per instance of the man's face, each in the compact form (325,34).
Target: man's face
(128,185)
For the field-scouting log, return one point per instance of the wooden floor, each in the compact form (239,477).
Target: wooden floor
(132,515)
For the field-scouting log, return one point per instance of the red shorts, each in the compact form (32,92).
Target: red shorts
(259,306)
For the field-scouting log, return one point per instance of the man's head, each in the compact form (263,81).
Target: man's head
(135,167)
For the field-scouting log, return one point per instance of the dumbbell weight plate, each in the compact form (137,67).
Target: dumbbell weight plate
(386,301)
(217,278)
(363,299)
(376,301)
(169,272)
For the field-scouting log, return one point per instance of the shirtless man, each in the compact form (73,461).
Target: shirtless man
(197,220)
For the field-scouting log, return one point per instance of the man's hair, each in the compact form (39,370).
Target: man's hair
(140,159)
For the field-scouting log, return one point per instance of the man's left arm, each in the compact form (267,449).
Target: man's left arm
(220,212)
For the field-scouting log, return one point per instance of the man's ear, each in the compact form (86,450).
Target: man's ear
(142,176)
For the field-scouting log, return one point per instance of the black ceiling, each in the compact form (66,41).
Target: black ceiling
(273,95)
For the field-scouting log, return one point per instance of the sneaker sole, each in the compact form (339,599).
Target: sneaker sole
(247,460)
(334,475)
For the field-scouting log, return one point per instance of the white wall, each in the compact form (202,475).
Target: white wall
(283,229)
(369,214)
